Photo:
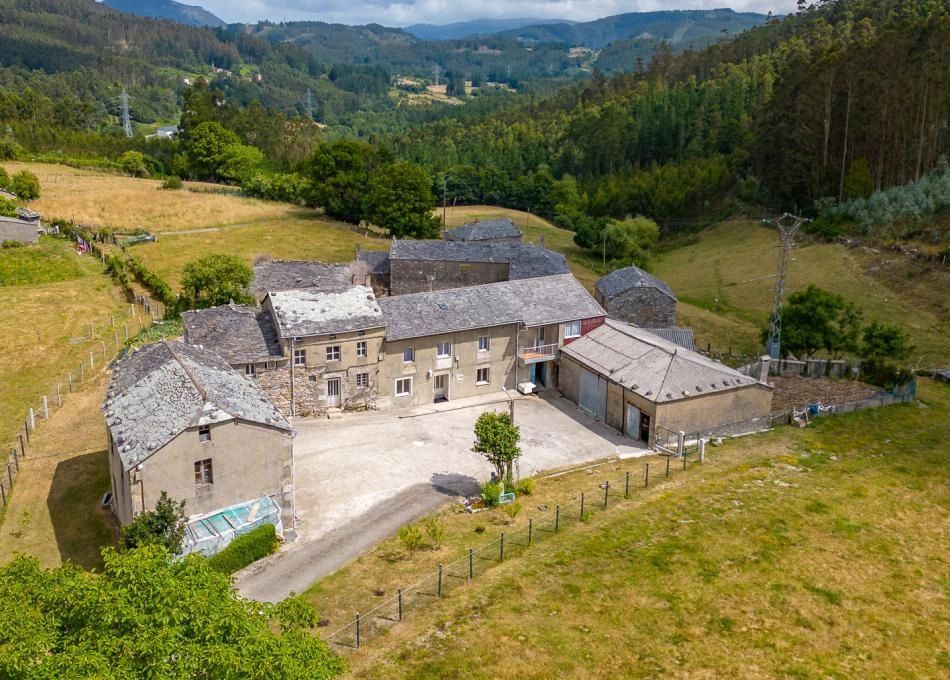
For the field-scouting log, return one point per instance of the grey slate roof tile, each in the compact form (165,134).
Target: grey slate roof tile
(527,260)
(533,302)
(292,274)
(161,390)
(484,230)
(650,366)
(319,312)
(679,336)
(622,280)
(239,334)
(376,261)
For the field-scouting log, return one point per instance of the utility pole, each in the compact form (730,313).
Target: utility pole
(126,115)
(436,75)
(786,225)
(309,104)
(445,180)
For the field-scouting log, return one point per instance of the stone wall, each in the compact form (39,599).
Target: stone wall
(643,306)
(418,276)
(310,394)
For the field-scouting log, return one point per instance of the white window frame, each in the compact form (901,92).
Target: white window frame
(204,433)
(443,349)
(401,384)
(300,356)
(572,329)
(333,353)
(483,376)
(484,343)
(408,355)
(361,349)
(250,369)
(362,379)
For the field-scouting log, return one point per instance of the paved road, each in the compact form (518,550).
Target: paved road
(362,477)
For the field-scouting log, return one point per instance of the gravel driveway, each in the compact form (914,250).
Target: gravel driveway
(361,477)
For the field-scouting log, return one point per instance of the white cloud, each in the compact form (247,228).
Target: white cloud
(390,13)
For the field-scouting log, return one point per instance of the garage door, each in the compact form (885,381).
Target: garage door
(593,397)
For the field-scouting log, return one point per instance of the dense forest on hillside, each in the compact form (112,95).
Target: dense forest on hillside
(802,108)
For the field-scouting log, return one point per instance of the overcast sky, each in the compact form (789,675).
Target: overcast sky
(389,13)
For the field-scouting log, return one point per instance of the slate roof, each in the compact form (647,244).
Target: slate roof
(527,260)
(237,333)
(678,336)
(650,366)
(533,302)
(485,230)
(318,312)
(291,274)
(161,390)
(622,280)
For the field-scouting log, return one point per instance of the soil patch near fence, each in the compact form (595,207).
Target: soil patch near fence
(792,391)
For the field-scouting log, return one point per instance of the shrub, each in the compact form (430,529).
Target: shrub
(244,550)
(480,529)
(435,530)
(13,244)
(25,184)
(512,510)
(525,487)
(490,493)
(172,183)
(411,538)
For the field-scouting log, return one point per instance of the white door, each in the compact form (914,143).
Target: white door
(440,388)
(333,392)
(633,422)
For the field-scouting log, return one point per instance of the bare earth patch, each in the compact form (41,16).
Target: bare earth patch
(797,392)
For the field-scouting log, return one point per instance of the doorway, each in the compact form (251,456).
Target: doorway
(440,387)
(333,392)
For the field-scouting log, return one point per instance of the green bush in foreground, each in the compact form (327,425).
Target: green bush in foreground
(244,550)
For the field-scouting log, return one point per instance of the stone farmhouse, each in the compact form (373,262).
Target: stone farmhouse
(181,420)
(632,295)
(485,231)
(295,274)
(243,336)
(637,382)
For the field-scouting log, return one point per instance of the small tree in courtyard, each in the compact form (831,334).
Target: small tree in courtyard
(496,438)
(165,526)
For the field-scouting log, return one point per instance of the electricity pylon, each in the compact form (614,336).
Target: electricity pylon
(786,225)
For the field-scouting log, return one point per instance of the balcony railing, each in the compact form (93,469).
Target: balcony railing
(531,355)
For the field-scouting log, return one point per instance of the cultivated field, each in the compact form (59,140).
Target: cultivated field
(801,553)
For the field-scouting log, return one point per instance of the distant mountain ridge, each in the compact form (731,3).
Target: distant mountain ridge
(476,27)
(190,15)
(673,26)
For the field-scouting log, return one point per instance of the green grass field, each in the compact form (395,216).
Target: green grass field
(800,553)
(50,261)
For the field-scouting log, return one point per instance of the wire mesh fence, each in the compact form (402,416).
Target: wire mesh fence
(515,541)
(93,352)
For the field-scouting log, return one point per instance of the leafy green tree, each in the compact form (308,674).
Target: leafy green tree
(238,162)
(215,279)
(148,616)
(133,164)
(859,183)
(7,207)
(164,526)
(25,184)
(885,341)
(339,174)
(400,199)
(629,241)
(815,319)
(496,438)
(206,146)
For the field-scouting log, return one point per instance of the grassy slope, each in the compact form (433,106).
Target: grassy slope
(801,553)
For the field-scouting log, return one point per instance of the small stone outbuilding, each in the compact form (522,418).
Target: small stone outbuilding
(243,336)
(635,296)
(181,420)
(637,382)
(21,231)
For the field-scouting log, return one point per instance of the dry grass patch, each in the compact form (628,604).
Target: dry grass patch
(54,510)
(97,198)
(802,553)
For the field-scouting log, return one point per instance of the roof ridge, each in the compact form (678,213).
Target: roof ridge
(201,390)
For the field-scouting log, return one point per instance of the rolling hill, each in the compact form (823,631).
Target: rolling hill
(190,15)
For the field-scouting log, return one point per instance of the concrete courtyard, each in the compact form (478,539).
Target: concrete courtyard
(361,477)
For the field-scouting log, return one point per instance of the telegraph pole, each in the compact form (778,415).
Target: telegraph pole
(786,225)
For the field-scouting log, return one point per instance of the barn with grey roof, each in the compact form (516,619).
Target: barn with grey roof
(243,336)
(500,230)
(181,420)
(637,382)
